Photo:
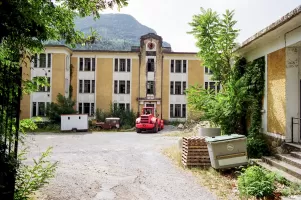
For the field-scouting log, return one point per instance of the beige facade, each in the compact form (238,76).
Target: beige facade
(148,75)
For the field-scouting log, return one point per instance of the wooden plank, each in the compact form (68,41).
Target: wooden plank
(194,150)
(194,154)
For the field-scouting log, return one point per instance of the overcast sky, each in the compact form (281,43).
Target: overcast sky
(170,18)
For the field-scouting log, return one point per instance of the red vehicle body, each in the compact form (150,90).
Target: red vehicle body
(149,121)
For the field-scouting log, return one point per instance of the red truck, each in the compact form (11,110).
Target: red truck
(149,120)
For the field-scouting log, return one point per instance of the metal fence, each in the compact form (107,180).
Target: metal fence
(10,95)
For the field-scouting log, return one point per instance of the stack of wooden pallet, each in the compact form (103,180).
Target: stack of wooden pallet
(195,152)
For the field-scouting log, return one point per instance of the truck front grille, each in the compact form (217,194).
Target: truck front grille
(144,119)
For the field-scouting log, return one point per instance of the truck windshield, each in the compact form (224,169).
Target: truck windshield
(147,111)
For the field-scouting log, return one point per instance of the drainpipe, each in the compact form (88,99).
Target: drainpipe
(162,86)
(139,55)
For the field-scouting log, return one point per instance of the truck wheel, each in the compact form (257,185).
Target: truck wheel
(138,130)
(156,128)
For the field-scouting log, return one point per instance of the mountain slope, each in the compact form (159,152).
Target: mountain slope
(117,32)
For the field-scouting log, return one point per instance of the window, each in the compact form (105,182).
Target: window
(150,87)
(215,86)
(92,109)
(171,87)
(41,106)
(122,106)
(171,110)
(48,81)
(122,65)
(206,85)
(212,85)
(34,109)
(80,86)
(128,61)
(177,110)
(80,108)
(93,86)
(128,87)
(184,66)
(93,64)
(81,64)
(49,60)
(184,110)
(87,86)
(178,89)
(44,88)
(116,65)
(172,66)
(184,87)
(150,65)
(87,108)
(178,66)
(121,87)
(87,64)
(35,60)
(42,60)
(208,71)
(115,87)
(128,107)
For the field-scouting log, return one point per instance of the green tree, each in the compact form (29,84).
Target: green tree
(64,105)
(215,37)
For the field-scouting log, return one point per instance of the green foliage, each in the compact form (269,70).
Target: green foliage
(101,115)
(30,178)
(257,146)
(215,37)
(64,105)
(225,109)
(127,117)
(256,181)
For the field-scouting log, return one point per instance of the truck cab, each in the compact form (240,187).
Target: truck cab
(149,120)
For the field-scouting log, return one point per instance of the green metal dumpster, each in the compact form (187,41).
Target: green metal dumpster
(227,151)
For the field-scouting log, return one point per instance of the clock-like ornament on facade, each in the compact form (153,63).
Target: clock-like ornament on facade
(150,45)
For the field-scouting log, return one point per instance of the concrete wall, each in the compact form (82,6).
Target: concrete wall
(58,73)
(25,101)
(104,80)
(135,85)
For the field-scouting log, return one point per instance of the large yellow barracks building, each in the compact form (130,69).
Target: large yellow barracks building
(147,75)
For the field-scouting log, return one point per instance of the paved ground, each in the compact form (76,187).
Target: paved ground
(125,166)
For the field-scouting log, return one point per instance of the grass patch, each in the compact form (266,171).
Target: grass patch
(222,184)
(179,134)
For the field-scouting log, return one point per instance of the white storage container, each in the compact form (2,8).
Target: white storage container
(74,122)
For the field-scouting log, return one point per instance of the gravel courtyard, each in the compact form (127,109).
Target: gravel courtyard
(125,166)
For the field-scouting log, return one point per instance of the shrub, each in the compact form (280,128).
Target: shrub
(64,105)
(30,178)
(257,146)
(101,115)
(127,117)
(256,181)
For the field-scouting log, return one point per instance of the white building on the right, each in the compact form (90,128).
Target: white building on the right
(280,45)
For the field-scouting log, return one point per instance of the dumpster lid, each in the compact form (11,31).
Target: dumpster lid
(224,138)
